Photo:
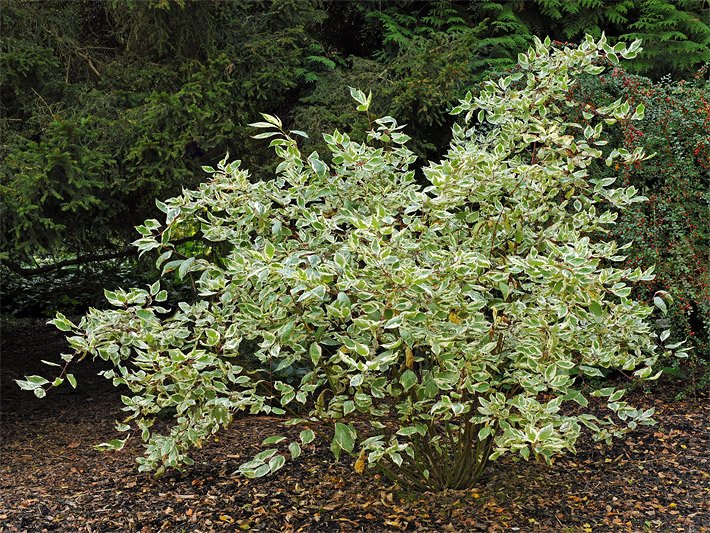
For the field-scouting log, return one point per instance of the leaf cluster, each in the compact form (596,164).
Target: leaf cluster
(424,330)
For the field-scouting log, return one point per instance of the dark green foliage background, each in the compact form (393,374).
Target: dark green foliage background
(670,230)
(107,105)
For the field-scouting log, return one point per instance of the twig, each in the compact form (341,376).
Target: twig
(23,271)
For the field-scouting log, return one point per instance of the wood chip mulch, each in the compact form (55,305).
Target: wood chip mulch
(51,479)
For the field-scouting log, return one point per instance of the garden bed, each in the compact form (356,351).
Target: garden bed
(658,479)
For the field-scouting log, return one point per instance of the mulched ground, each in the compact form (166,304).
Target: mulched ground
(51,479)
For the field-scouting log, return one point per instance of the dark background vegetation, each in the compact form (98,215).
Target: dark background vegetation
(107,105)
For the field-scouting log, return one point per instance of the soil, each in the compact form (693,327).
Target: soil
(51,479)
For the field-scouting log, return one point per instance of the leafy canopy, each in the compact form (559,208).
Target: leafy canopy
(424,330)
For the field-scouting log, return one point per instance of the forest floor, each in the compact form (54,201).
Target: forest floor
(51,479)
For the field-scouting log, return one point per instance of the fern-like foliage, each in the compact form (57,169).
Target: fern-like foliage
(675,33)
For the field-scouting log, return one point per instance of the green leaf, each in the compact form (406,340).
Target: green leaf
(315,353)
(112,445)
(578,397)
(145,314)
(639,112)
(658,302)
(591,371)
(408,379)
(269,250)
(266,454)
(260,125)
(307,436)
(358,95)
(484,432)
(276,463)
(295,449)
(617,395)
(596,309)
(272,440)
(213,337)
(344,436)
(262,471)
(361,349)
(272,119)
(62,323)
(318,166)
(266,135)
(38,381)
(154,288)
(185,267)
(348,407)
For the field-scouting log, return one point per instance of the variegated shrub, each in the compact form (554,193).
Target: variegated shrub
(421,329)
